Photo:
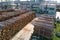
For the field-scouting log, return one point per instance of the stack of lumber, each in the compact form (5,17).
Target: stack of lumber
(13,10)
(44,25)
(10,10)
(22,11)
(9,27)
(8,15)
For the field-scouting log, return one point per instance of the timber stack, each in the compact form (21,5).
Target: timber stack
(44,25)
(10,26)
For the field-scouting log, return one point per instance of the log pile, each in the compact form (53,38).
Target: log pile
(44,25)
(22,11)
(8,15)
(9,27)
(13,10)
(10,10)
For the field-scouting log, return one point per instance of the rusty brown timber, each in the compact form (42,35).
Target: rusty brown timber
(13,10)
(7,15)
(9,10)
(44,25)
(9,27)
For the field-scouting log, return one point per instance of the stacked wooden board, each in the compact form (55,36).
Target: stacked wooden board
(9,27)
(22,11)
(13,10)
(44,25)
(9,10)
(8,15)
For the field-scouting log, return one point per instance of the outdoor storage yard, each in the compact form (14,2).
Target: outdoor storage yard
(29,20)
(28,25)
(33,29)
(11,24)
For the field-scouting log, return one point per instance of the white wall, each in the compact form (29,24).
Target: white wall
(58,14)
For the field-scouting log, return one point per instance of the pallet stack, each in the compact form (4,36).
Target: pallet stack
(9,27)
(44,25)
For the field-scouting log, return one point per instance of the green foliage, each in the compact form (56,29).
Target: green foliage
(56,30)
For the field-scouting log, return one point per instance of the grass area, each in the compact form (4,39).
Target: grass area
(56,30)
